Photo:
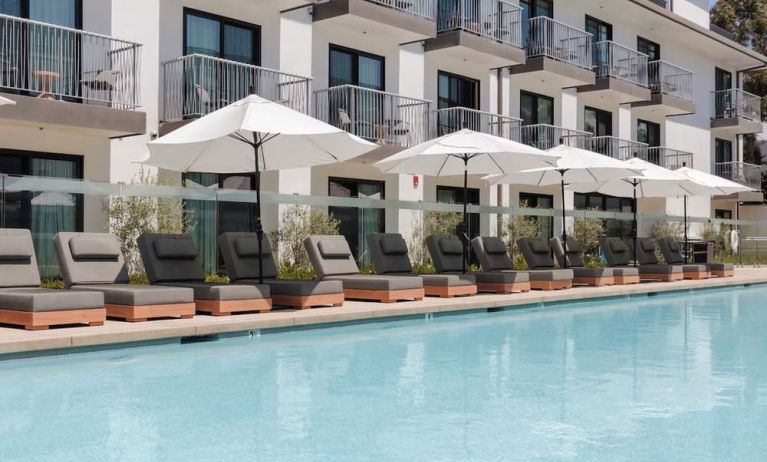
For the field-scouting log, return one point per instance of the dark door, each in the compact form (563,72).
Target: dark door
(534,9)
(600,31)
(723,151)
(359,112)
(648,132)
(355,223)
(535,109)
(456,91)
(648,47)
(723,104)
(598,122)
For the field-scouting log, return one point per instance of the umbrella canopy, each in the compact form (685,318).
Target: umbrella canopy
(223,141)
(254,135)
(466,152)
(5,101)
(574,166)
(723,186)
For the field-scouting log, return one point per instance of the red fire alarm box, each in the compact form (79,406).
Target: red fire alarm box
(415,181)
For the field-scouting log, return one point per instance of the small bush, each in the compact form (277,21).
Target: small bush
(298,222)
(288,271)
(519,227)
(432,224)
(53,283)
(217,278)
(586,232)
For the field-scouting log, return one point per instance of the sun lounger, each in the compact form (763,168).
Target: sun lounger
(24,303)
(672,254)
(582,275)
(543,275)
(447,254)
(173,260)
(618,255)
(389,254)
(240,253)
(494,261)
(651,268)
(93,262)
(332,260)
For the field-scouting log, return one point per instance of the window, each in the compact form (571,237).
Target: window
(722,79)
(454,195)
(721,214)
(355,224)
(539,201)
(724,106)
(600,31)
(67,13)
(601,202)
(648,132)
(536,109)
(722,151)
(533,9)
(650,48)
(353,67)
(598,122)
(211,35)
(44,213)
(457,91)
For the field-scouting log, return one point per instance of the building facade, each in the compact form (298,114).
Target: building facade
(94,80)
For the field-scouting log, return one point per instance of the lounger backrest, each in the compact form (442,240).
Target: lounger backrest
(170,258)
(537,253)
(18,264)
(240,254)
(615,250)
(90,258)
(646,251)
(330,256)
(671,251)
(389,253)
(491,253)
(572,251)
(446,252)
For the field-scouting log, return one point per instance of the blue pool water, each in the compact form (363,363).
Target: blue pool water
(666,378)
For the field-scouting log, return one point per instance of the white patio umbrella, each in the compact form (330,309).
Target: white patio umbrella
(655,181)
(251,136)
(466,152)
(6,102)
(718,185)
(574,166)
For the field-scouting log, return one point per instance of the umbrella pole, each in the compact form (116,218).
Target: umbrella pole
(464,236)
(686,249)
(259,229)
(564,221)
(636,224)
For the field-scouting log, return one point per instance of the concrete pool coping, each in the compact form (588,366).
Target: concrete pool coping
(14,340)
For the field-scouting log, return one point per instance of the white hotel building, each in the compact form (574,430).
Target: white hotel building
(94,80)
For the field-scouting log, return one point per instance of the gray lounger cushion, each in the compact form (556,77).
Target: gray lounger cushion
(33,299)
(501,277)
(377,282)
(389,253)
(660,269)
(330,256)
(616,251)
(240,254)
(446,252)
(139,295)
(491,253)
(672,253)
(551,275)
(537,253)
(170,257)
(714,266)
(571,251)
(447,280)
(214,291)
(625,272)
(645,249)
(18,265)
(90,258)
(298,288)
(582,272)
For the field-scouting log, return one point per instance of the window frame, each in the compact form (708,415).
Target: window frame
(598,112)
(24,10)
(223,21)
(538,97)
(648,44)
(475,83)
(356,54)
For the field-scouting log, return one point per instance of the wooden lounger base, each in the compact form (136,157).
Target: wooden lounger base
(384,296)
(141,313)
(227,307)
(450,292)
(596,282)
(43,320)
(723,274)
(551,285)
(697,275)
(308,301)
(508,288)
(650,277)
(626,280)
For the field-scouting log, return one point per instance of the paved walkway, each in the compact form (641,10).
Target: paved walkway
(13,340)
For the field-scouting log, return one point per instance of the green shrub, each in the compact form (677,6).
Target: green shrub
(432,223)
(288,271)
(586,232)
(217,278)
(297,222)
(53,283)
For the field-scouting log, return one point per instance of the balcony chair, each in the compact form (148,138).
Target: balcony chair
(104,80)
(24,303)
(240,254)
(206,102)
(543,274)
(93,262)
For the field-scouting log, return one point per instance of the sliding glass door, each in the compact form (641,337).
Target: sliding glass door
(356,223)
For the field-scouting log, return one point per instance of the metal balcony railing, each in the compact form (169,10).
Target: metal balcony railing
(736,103)
(378,116)
(619,148)
(619,62)
(497,20)
(54,62)
(195,85)
(452,119)
(669,158)
(556,40)
(740,172)
(669,79)
(422,8)
(544,136)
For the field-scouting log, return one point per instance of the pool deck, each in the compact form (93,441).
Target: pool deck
(15,340)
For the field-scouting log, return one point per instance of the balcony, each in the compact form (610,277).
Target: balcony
(740,172)
(670,88)
(393,121)
(621,75)
(669,158)
(544,136)
(195,85)
(401,20)
(486,32)
(70,77)
(618,148)
(736,111)
(452,119)
(556,53)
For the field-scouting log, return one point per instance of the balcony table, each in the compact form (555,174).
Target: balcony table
(46,79)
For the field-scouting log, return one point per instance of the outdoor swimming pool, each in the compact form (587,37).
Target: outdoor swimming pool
(680,377)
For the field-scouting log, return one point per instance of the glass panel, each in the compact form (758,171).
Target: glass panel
(60,12)
(10,7)
(371,73)
(203,36)
(545,111)
(341,68)
(527,109)
(238,44)
(356,223)
(590,121)
(202,217)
